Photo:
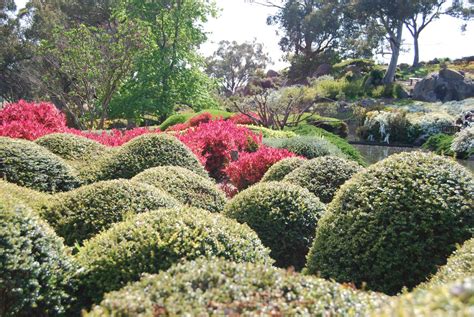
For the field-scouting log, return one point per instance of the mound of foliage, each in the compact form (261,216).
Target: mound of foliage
(142,153)
(30,165)
(269,133)
(32,198)
(323,176)
(217,287)
(394,224)
(440,144)
(215,142)
(284,217)
(187,187)
(71,147)
(463,143)
(153,241)
(460,265)
(183,118)
(279,170)
(452,299)
(307,146)
(250,167)
(82,213)
(36,270)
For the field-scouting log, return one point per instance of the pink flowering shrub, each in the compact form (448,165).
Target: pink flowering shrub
(178,127)
(215,142)
(29,120)
(202,118)
(250,167)
(240,118)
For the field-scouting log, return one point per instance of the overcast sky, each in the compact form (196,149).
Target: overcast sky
(241,21)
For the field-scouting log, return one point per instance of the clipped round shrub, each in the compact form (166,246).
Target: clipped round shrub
(217,287)
(32,198)
(36,271)
(394,224)
(323,176)
(187,187)
(282,168)
(460,265)
(153,241)
(452,299)
(307,146)
(144,152)
(30,165)
(71,146)
(284,217)
(82,213)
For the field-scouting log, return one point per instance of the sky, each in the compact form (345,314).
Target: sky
(241,21)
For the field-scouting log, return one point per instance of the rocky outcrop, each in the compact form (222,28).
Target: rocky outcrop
(445,86)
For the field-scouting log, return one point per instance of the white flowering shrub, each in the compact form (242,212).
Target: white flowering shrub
(429,124)
(464,142)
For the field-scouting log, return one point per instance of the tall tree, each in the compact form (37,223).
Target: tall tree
(233,64)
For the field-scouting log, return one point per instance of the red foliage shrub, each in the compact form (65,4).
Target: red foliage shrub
(214,142)
(201,118)
(250,167)
(178,127)
(240,118)
(29,120)
(229,189)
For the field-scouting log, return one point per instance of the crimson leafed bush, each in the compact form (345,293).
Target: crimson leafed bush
(202,118)
(214,143)
(251,167)
(240,118)
(29,120)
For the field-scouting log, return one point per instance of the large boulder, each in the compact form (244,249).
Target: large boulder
(445,86)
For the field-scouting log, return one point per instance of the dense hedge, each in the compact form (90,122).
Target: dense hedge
(36,271)
(71,146)
(460,265)
(452,299)
(153,241)
(269,133)
(284,217)
(144,152)
(392,225)
(32,198)
(88,210)
(217,287)
(279,170)
(323,176)
(307,146)
(30,165)
(187,187)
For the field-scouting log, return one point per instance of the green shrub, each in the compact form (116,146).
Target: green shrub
(141,153)
(32,198)
(453,299)
(279,170)
(284,217)
(217,287)
(172,120)
(440,144)
(71,146)
(350,151)
(36,270)
(392,225)
(187,187)
(184,117)
(82,213)
(307,146)
(269,133)
(153,241)
(30,165)
(323,176)
(460,265)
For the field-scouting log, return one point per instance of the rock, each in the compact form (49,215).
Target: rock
(323,69)
(272,73)
(446,86)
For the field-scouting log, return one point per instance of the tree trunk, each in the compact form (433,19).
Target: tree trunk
(416,61)
(395,44)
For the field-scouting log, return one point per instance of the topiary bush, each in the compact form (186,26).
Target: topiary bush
(32,198)
(269,133)
(36,270)
(323,176)
(153,241)
(70,146)
(187,187)
(452,299)
(144,152)
(282,168)
(460,265)
(284,217)
(392,225)
(30,165)
(82,213)
(217,287)
(307,146)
